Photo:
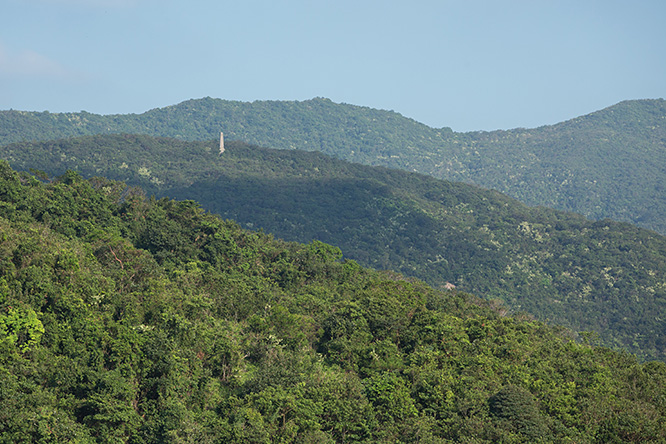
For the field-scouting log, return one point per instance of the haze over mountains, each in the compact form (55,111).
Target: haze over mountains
(608,164)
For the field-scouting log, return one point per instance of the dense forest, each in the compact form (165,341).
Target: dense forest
(603,276)
(132,319)
(608,164)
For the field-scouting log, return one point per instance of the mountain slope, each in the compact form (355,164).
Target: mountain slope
(133,320)
(608,164)
(603,276)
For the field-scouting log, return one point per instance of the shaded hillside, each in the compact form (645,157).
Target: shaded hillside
(357,133)
(608,164)
(132,320)
(603,276)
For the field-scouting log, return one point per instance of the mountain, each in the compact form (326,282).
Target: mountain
(603,276)
(135,320)
(608,164)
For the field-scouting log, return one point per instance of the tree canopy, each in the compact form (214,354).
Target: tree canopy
(600,276)
(603,165)
(132,319)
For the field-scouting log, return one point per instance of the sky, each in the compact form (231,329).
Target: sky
(467,64)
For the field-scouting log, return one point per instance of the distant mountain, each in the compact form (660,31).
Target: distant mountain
(611,163)
(603,276)
(608,164)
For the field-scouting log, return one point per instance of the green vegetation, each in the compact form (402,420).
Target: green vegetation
(601,276)
(603,165)
(127,319)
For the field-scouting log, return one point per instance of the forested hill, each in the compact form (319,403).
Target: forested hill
(607,164)
(603,276)
(133,320)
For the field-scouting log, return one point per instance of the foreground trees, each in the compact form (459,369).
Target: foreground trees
(126,319)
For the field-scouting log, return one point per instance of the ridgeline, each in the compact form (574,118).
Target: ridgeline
(601,276)
(607,164)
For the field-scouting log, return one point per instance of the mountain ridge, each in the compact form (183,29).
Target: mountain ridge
(605,164)
(588,275)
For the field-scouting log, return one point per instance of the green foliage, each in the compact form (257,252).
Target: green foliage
(595,276)
(602,165)
(517,406)
(126,319)
(20,328)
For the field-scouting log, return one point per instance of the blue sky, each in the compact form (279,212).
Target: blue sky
(468,64)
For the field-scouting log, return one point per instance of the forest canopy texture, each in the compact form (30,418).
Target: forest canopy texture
(607,164)
(130,319)
(600,276)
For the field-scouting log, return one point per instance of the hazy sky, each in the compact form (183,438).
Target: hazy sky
(467,64)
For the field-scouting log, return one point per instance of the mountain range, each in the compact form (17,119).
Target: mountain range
(600,276)
(132,311)
(608,164)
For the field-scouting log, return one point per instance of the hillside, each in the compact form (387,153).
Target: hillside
(602,276)
(134,320)
(607,164)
